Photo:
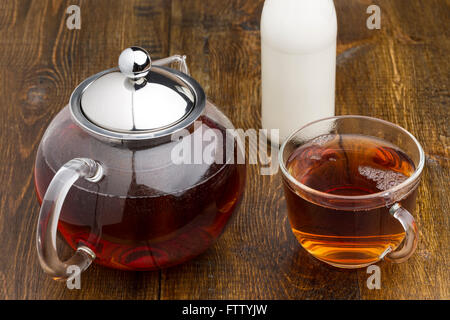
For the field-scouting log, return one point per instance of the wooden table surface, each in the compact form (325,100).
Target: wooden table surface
(399,73)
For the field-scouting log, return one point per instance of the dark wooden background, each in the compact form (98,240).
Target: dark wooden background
(399,73)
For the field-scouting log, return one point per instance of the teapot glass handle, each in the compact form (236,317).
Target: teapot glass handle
(47,227)
(179,60)
(411,236)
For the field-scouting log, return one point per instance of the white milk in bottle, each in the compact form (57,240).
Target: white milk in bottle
(298,53)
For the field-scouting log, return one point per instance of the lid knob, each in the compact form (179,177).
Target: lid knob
(135,62)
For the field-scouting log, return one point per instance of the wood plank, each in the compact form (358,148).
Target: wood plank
(412,61)
(40,65)
(257,257)
(399,73)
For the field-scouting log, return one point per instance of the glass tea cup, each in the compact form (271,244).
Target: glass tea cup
(350,184)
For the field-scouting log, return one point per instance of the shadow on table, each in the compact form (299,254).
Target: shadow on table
(314,279)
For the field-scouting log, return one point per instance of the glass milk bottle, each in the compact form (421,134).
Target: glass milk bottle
(298,52)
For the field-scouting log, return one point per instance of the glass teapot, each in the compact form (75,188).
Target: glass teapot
(138,172)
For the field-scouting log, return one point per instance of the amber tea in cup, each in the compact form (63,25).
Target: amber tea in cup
(344,186)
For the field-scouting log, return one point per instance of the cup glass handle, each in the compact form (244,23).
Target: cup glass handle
(411,236)
(47,227)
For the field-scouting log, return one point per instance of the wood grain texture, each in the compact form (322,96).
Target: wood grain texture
(399,73)
(41,64)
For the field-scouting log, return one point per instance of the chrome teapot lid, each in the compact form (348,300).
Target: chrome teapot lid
(138,100)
